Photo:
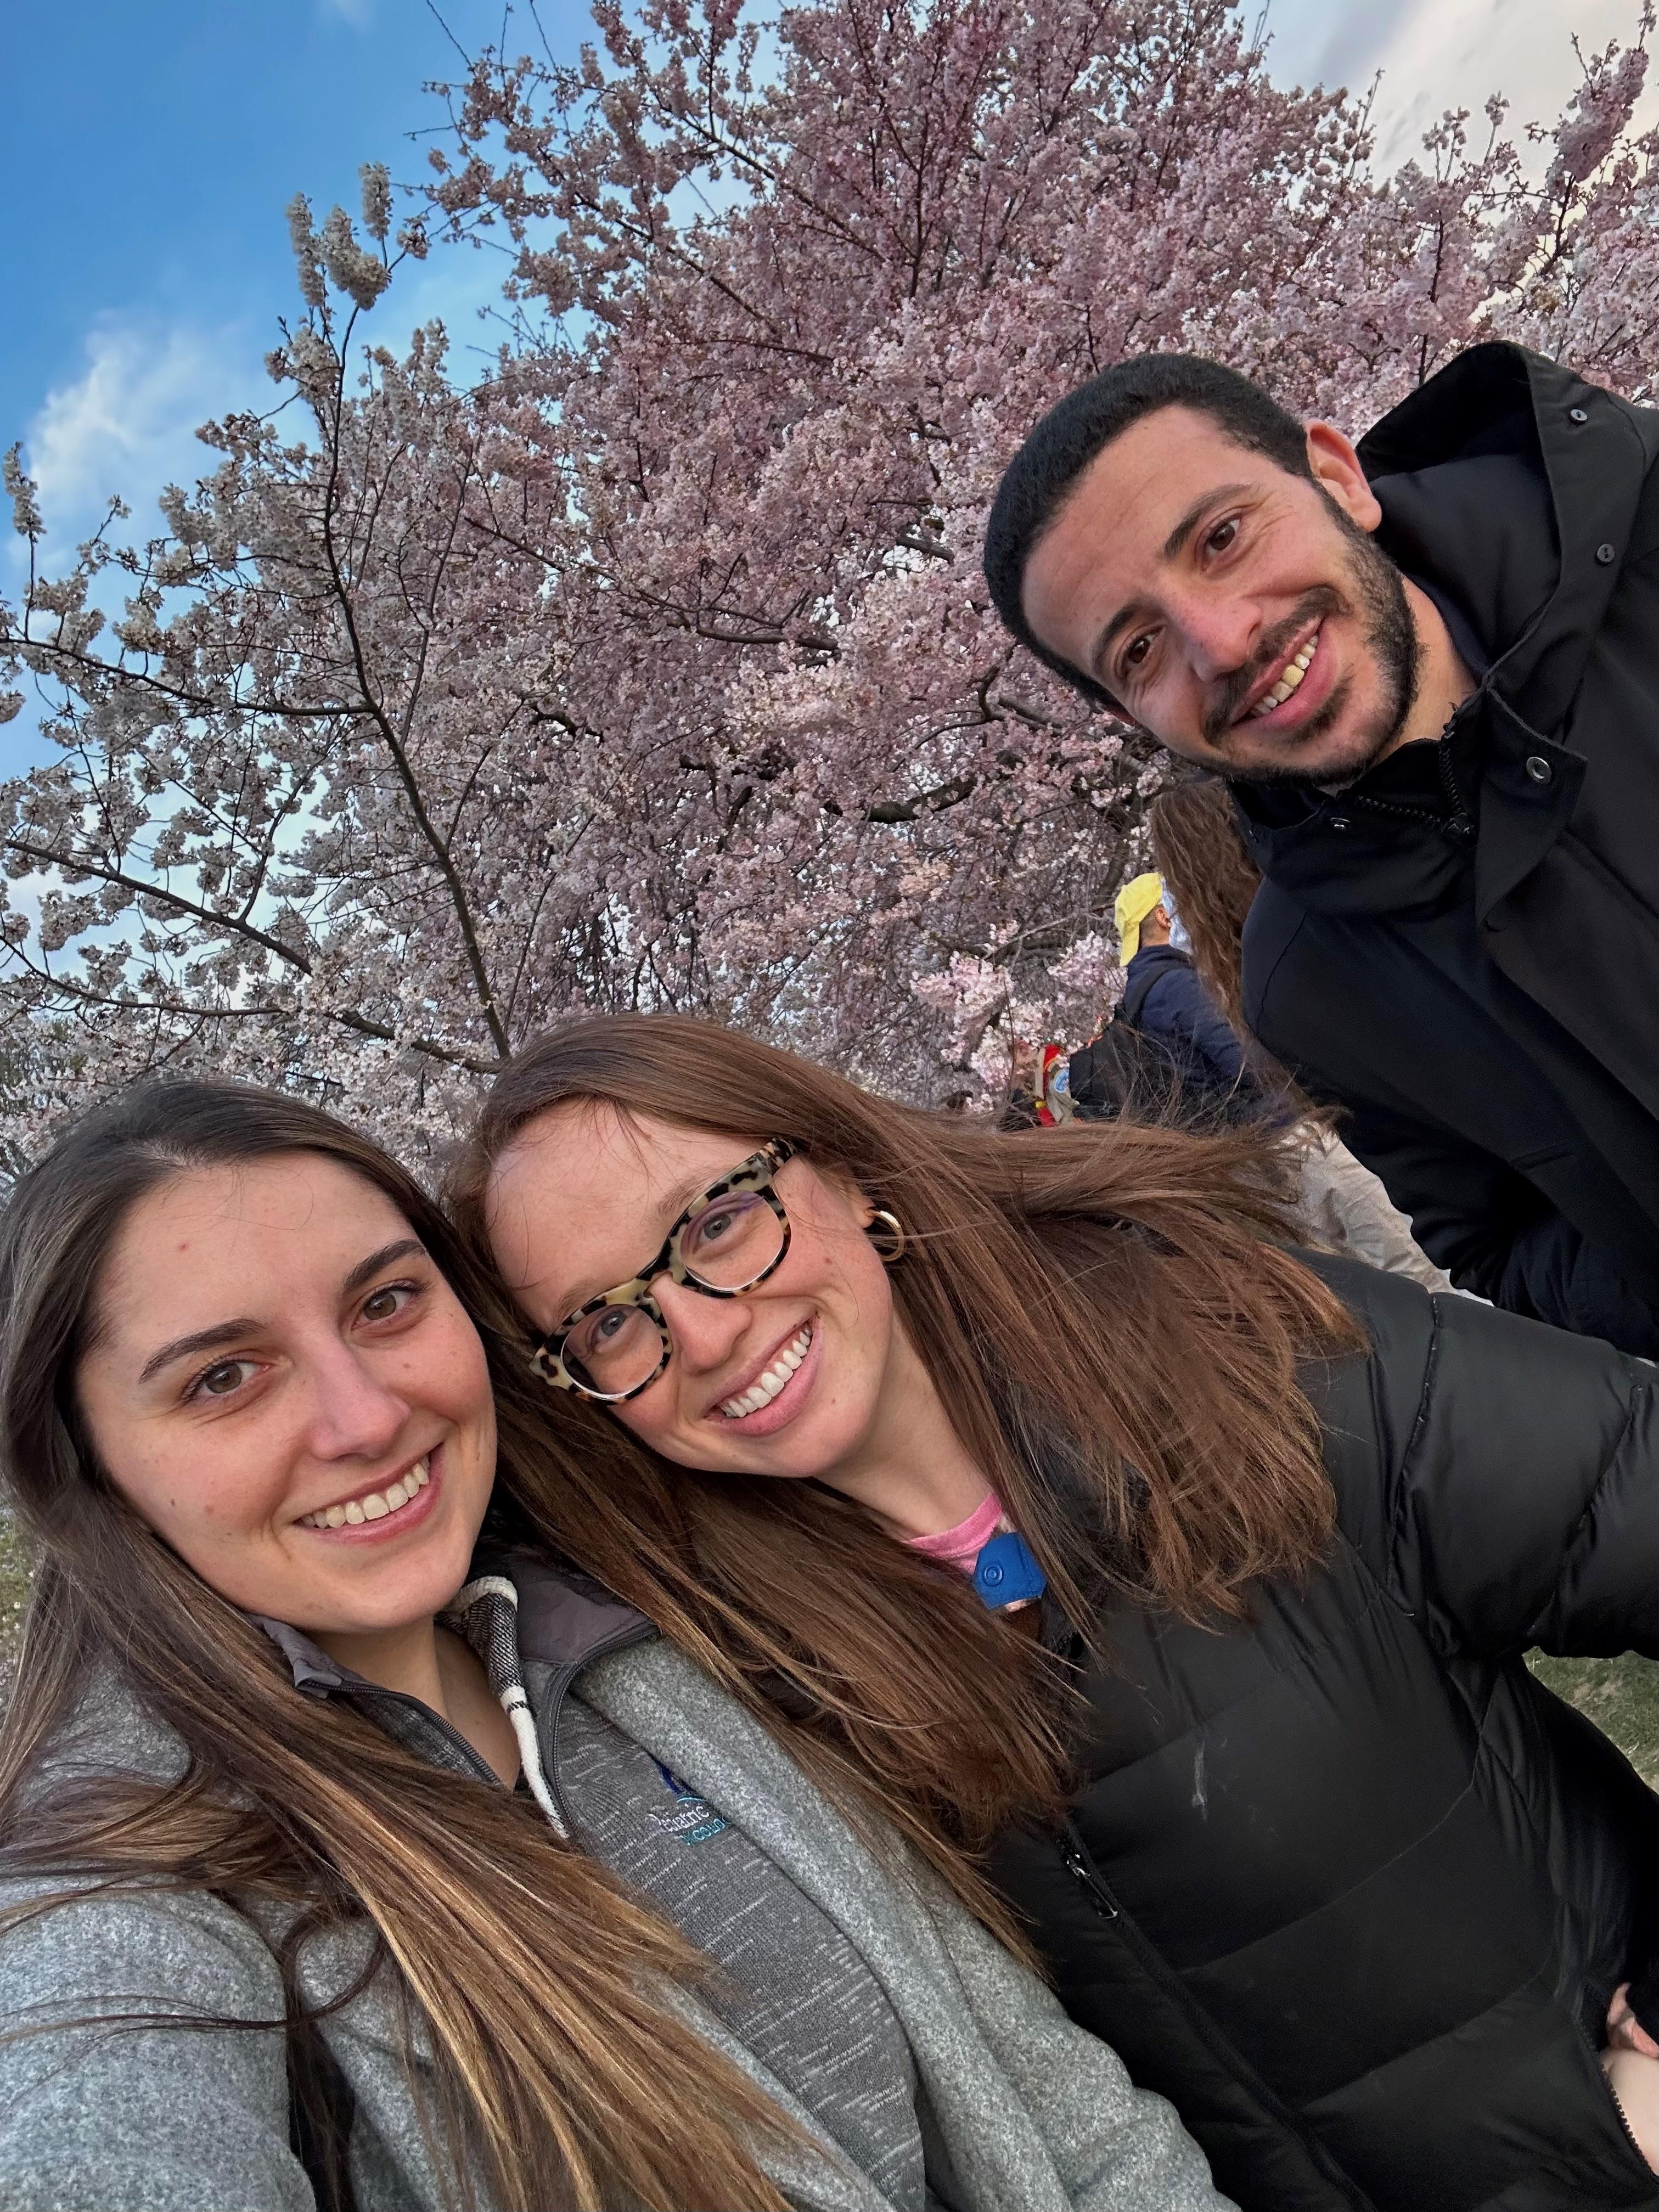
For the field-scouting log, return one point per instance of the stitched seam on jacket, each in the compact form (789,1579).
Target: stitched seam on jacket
(1279,958)
(1430,1365)
(1582,1531)
(1342,1897)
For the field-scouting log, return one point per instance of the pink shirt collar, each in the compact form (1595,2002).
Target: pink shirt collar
(961,1546)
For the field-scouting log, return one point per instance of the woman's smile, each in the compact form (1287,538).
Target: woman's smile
(370,1514)
(771,1391)
(331,1464)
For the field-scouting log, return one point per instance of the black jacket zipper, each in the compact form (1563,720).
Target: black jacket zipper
(1074,1852)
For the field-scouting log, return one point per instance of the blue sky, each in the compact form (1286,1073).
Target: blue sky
(146,167)
(158,141)
(151,147)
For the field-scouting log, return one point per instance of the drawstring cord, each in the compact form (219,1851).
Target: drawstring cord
(495,1640)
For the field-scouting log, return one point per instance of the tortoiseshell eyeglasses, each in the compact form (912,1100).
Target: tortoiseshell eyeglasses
(730,1238)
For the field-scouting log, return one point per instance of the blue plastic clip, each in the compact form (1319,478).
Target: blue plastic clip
(1006,1572)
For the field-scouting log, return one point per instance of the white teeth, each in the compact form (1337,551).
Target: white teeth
(1289,680)
(377,1505)
(763,1392)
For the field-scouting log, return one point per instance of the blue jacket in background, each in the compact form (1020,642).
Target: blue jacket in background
(1163,998)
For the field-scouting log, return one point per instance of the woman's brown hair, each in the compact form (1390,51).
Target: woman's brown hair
(562,2072)
(1213,882)
(1116,1332)
(1212,879)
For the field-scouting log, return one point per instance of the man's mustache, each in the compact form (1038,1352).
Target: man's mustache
(1233,690)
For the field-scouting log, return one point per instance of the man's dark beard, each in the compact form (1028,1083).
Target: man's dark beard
(1379,595)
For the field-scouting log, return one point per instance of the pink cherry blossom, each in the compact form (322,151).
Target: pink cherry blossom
(656,668)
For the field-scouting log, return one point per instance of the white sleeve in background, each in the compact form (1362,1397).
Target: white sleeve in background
(1344,1206)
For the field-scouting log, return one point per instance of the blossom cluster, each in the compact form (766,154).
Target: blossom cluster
(654,667)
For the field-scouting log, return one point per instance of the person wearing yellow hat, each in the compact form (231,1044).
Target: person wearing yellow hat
(1142,896)
(1196,1054)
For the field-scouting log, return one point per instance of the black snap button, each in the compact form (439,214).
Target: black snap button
(1341,822)
(1539,768)
(1577,415)
(1606,553)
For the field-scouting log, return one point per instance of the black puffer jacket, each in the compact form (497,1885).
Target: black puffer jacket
(1348,1885)
(1462,947)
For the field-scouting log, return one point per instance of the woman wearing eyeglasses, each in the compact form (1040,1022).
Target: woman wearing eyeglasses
(1170,1584)
(353,1850)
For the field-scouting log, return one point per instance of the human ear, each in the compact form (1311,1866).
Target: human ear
(1337,471)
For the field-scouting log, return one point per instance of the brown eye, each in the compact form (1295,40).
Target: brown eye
(386,1304)
(222,1380)
(1133,659)
(1221,537)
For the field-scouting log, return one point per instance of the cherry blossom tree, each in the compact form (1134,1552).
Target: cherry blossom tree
(656,668)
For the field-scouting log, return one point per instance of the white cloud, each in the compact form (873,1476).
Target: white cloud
(1437,54)
(127,423)
(124,425)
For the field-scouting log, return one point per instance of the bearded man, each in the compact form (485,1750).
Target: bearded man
(1429,668)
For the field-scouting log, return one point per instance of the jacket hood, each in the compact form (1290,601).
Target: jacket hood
(564,1620)
(1513,485)
(1509,486)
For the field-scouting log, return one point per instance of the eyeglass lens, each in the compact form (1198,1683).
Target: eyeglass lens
(728,1244)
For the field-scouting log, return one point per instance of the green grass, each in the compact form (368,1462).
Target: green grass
(1621,1696)
(14,1590)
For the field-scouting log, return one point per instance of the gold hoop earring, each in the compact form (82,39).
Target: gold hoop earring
(886,1232)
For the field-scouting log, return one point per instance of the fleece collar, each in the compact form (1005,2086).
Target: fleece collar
(564,1620)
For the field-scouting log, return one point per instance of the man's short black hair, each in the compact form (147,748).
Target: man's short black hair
(1035,486)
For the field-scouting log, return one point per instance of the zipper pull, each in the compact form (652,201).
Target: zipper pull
(1078,1868)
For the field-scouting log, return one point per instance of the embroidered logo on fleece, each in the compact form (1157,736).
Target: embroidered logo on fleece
(694,1819)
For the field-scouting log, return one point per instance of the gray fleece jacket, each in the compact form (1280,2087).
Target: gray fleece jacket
(1019,2110)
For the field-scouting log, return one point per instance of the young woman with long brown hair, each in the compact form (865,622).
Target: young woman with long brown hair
(339,1862)
(1253,1754)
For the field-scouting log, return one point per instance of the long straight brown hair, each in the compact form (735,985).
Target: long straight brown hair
(1109,1317)
(562,2072)
(1213,881)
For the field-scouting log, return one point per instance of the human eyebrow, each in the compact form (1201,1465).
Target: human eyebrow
(201,1339)
(1195,513)
(402,1248)
(232,1332)
(668,1211)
